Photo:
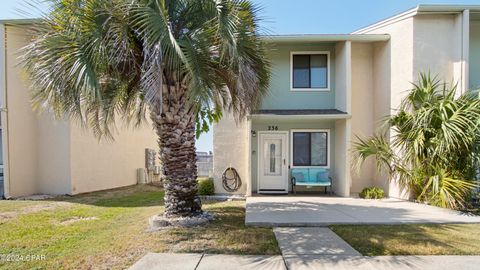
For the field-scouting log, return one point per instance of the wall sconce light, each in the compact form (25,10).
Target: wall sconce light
(254,133)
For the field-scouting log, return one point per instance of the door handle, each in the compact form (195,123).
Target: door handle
(284,163)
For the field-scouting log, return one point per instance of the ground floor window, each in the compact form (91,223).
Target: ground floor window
(310,148)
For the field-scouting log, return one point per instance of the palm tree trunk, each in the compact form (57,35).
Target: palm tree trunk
(175,127)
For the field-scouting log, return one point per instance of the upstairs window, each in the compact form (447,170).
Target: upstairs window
(310,71)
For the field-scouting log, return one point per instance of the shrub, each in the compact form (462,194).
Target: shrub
(205,186)
(433,151)
(372,193)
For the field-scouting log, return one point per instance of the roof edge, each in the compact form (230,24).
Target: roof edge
(395,18)
(326,37)
(432,8)
(420,9)
(20,21)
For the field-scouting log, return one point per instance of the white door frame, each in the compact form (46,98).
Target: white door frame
(260,158)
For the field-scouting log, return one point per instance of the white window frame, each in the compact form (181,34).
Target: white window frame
(315,89)
(310,130)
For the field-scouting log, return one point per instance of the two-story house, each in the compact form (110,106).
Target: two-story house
(326,89)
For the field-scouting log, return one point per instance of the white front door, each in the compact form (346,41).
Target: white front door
(272,162)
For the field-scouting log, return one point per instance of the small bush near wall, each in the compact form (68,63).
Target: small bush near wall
(205,186)
(372,193)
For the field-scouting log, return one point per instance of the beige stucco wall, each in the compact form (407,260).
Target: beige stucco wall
(381,98)
(393,74)
(53,155)
(362,109)
(57,157)
(417,44)
(22,123)
(341,172)
(38,146)
(343,76)
(437,46)
(230,149)
(97,165)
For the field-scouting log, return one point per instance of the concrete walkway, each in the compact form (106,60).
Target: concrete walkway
(312,241)
(334,262)
(178,261)
(169,261)
(283,211)
(304,249)
(311,247)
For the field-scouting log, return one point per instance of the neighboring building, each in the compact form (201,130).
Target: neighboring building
(325,89)
(41,155)
(204,164)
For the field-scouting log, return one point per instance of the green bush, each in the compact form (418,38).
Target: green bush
(205,186)
(372,193)
(434,151)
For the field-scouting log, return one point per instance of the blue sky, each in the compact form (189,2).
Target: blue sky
(297,16)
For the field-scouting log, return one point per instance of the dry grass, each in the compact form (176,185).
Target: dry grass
(106,230)
(450,239)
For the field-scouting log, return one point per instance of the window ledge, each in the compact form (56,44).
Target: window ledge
(310,89)
(309,167)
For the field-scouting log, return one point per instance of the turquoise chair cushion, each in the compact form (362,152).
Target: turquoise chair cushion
(317,174)
(300,175)
(323,177)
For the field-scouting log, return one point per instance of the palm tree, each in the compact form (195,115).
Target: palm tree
(433,150)
(179,61)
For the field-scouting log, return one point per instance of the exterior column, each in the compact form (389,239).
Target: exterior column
(465,50)
(248,177)
(3,113)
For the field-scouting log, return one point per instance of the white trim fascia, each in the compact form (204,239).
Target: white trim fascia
(325,38)
(396,18)
(329,72)
(20,21)
(287,134)
(432,8)
(301,116)
(3,112)
(310,130)
(420,9)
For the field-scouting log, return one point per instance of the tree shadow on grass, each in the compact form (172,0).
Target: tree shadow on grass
(411,239)
(227,234)
(131,196)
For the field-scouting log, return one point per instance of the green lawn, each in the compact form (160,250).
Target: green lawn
(107,230)
(451,239)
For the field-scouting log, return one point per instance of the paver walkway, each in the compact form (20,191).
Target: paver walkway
(282,211)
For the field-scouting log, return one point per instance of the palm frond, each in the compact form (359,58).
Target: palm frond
(435,142)
(94,59)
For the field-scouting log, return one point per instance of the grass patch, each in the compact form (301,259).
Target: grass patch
(414,239)
(107,230)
